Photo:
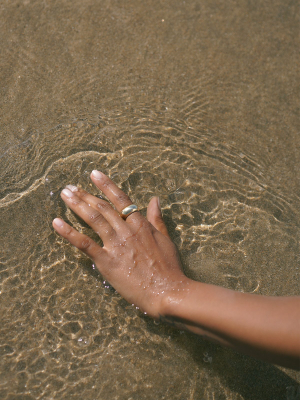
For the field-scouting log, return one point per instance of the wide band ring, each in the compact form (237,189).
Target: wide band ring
(128,210)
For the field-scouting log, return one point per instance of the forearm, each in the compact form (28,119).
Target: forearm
(264,327)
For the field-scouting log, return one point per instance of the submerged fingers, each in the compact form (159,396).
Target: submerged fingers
(92,216)
(79,240)
(100,205)
(98,213)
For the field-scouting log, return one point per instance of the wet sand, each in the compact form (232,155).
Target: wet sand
(197,102)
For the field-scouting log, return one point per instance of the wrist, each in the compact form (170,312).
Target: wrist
(196,308)
(172,303)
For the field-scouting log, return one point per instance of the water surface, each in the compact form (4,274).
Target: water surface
(197,102)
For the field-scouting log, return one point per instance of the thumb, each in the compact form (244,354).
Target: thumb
(154,216)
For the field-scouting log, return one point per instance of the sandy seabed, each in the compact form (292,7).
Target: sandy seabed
(194,101)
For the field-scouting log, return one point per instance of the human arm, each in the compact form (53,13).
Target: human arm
(142,264)
(265,327)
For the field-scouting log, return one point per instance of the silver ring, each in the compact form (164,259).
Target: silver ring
(128,210)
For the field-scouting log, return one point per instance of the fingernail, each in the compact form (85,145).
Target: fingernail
(58,222)
(158,203)
(97,174)
(72,188)
(68,193)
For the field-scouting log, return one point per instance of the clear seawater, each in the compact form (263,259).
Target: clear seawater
(194,101)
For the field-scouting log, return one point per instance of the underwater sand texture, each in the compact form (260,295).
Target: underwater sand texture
(197,102)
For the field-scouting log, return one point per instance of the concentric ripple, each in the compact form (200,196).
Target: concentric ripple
(64,327)
(197,102)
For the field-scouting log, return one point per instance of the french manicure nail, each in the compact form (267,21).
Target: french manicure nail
(58,222)
(97,174)
(68,193)
(72,188)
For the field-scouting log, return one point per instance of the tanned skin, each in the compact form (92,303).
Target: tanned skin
(140,261)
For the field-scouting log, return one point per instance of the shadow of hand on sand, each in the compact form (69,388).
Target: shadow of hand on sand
(237,373)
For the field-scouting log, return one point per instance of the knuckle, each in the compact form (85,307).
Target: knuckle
(82,193)
(142,225)
(107,183)
(76,201)
(103,206)
(68,230)
(85,244)
(96,217)
(123,198)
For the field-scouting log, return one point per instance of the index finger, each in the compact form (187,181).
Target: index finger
(118,198)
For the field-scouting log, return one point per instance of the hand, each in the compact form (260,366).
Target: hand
(138,258)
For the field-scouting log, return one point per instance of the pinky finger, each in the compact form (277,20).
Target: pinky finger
(79,240)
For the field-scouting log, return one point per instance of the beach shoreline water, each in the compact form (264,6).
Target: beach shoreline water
(194,102)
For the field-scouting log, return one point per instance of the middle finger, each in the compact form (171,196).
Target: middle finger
(118,198)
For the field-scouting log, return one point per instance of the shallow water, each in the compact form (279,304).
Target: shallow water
(196,102)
